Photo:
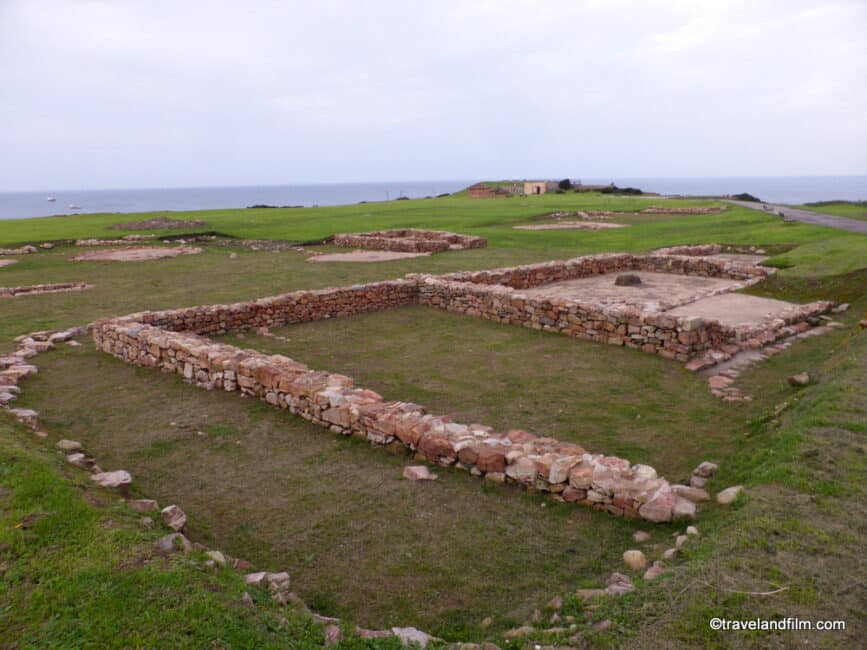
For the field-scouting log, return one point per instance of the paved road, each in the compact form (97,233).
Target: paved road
(815,218)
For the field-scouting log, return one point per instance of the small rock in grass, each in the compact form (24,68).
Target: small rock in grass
(173,542)
(654,571)
(217,557)
(333,635)
(69,446)
(247,600)
(841,308)
(143,505)
(619,584)
(801,379)
(670,554)
(556,603)
(410,635)
(174,517)
(486,622)
(863,324)
(694,494)
(73,344)
(683,509)
(680,541)
(79,460)
(256,579)
(697,481)
(640,536)
(418,473)
(277,581)
(634,559)
(602,626)
(692,530)
(729,494)
(705,469)
(146,522)
(120,479)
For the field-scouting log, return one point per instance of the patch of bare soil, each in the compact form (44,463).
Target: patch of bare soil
(572,225)
(159,223)
(365,256)
(134,254)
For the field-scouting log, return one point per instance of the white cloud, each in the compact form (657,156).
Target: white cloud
(272,91)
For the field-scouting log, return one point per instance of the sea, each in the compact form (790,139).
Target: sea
(772,189)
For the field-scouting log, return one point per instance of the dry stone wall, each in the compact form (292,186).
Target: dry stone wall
(410,240)
(563,469)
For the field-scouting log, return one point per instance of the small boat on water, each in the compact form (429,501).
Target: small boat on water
(72,206)
(51,199)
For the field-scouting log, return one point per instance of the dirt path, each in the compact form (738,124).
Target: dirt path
(805,216)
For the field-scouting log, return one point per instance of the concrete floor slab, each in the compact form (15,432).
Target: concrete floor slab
(657,291)
(734,309)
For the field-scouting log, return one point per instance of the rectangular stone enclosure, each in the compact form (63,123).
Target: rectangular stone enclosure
(175,341)
(410,240)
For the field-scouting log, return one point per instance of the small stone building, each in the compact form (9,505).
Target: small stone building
(535,187)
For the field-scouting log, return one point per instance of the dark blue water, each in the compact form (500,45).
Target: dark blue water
(18,205)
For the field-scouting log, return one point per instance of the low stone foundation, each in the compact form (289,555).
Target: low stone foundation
(126,239)
(173,341)
(410,240)
(34,289)
(563,469)
(24,250)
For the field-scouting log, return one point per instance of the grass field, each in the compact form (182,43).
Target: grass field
(362,543)
(850,209)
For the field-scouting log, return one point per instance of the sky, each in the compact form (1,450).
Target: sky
(122,93)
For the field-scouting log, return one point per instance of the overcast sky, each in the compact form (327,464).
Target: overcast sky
(122,93)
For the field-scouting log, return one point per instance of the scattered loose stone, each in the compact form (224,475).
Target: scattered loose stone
(670,554)
(79,460)
(69,446)
(143,505)
(418,473)
(697,481)
(705,469)
(28,417)
(486,622)
(692,530)
(333,634)
(217,557)
(640,536)
(680,541)
(619,584)
(696,495)
(119,479)
(654,571)
(556,603)
(634,559)
(602,626)
(146,522)
(729,494)
(173,542)
(863,324)
(247,600)
(174,517)
(256,579)
(410,635)
(841,308)
(801,379)
(683,509)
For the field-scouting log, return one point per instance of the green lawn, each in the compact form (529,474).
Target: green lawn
(850,209)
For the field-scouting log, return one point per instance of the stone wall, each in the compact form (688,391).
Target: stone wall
(284,309)
(562,469)
(533,275)
(410,240)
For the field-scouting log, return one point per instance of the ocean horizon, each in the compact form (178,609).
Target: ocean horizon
(772,189)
